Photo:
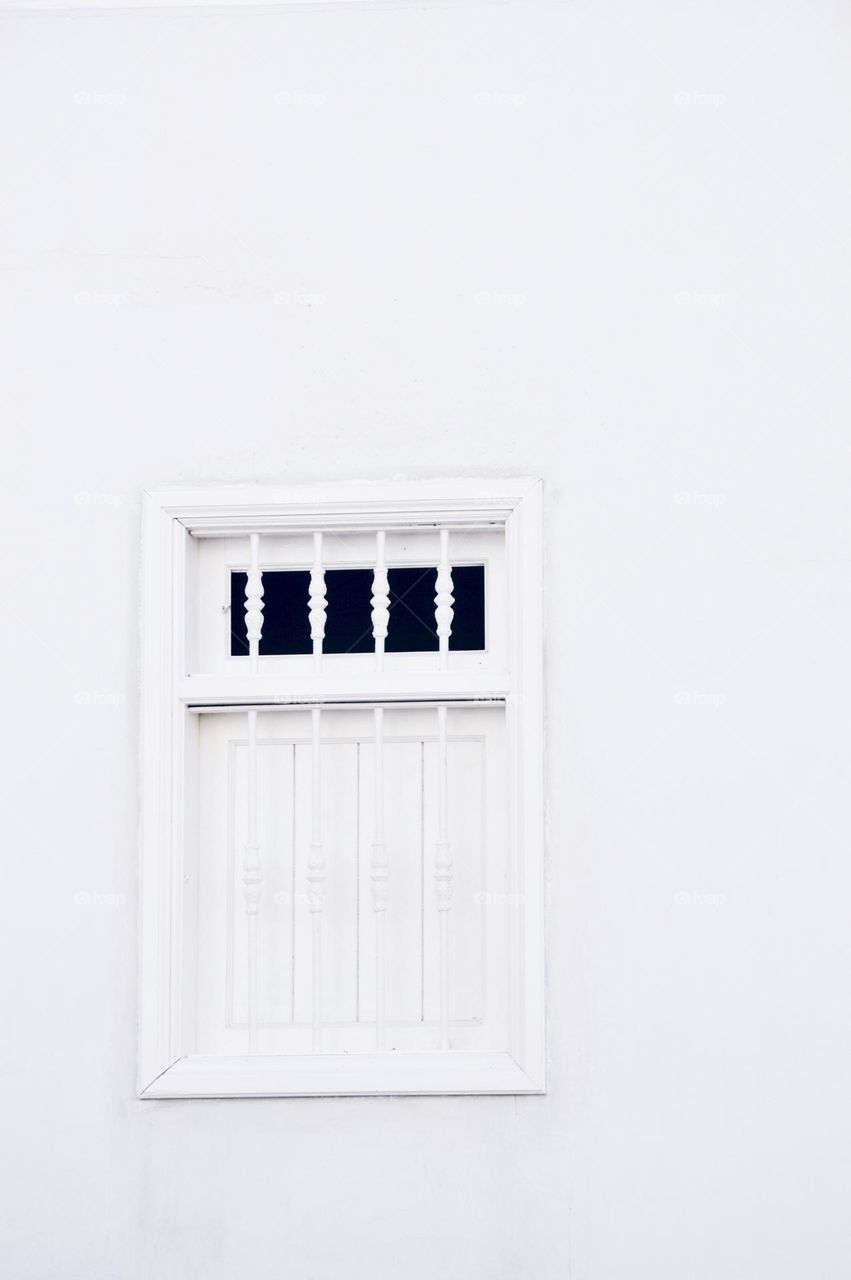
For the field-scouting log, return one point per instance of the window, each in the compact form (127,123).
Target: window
(342,818)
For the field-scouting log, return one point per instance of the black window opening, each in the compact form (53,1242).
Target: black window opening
(348,622)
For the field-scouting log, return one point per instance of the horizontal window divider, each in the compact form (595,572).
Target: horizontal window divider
(344,704)
(372,687)
(334,566)
(274,525)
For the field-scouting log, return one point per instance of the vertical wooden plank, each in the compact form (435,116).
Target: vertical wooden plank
(468,917)
(221,919)
(275,771)
(379,875)
(316,872)
(443,874)
(403,927)
(251,880)
(474,907)
(339,829)
(274,919)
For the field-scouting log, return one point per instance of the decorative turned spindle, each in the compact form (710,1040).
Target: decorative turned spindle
(379,874)
(443,873)
(251,880)
(254,604)
(316,874)
(380,600)
(444,600)
(317,607)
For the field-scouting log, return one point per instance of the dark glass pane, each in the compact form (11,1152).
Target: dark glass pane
(286,625)
(412,627)
(348,625)
(468,625)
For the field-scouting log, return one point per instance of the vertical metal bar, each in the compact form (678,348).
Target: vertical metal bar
(444,600)
(316,874)
(251,860)
(443,873)
(317,605)
(379,874)
(380,600)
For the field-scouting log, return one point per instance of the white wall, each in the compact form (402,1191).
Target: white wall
(661,193)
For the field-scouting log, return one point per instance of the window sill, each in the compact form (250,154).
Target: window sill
(333,1075)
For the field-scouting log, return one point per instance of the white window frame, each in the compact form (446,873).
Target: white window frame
(170,518)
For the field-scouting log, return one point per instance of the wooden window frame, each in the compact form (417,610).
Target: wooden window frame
(170,518)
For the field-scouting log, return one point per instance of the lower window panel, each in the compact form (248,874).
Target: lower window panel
(479,920)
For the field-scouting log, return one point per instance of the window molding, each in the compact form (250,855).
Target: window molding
(170,518)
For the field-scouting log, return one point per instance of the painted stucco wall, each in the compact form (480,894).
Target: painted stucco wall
(602,243)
